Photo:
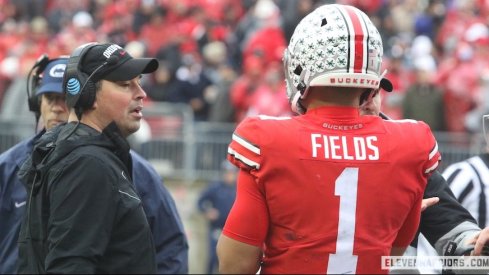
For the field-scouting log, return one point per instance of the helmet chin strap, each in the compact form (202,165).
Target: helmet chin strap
(302,92)
(295,104)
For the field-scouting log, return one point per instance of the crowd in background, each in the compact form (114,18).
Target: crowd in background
(223,57)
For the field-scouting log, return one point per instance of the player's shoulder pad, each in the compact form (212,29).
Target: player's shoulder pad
(244,150)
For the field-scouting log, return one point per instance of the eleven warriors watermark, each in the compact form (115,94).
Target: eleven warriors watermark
(444,262)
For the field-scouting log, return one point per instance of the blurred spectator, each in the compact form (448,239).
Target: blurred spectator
(428,22)
(77,32)
(59,14)
(460,15)
(263,14)
(9,67)
(225,11)
(13,107)
(269,98)
(403,15)
(142,14)
(155,34)
(386,27)
(215,202)
(368,6)
(39,34)
(268,41)
(194,85)
(244,87)
(195,27)
(9,36)
(116,22)
(164,85)
(218,70)
(472,119)
(477,35)
(29,9)
(459,76)
(421,46)
(423,100)
(8,11)
(293,12)
(398,75)
(215,56)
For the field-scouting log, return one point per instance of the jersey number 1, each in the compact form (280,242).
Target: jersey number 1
(343,261)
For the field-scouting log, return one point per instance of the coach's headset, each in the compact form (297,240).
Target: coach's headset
(79,87)
(34,79)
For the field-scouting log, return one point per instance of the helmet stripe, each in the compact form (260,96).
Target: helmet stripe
(341,12)
(366,56)
(358,32)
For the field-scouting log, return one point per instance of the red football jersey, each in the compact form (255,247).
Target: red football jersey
(329,191)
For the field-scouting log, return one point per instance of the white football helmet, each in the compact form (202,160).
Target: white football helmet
(335,45)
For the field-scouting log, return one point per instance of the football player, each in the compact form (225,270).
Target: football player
(316,191)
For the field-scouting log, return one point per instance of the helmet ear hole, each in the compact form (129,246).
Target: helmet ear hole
(298,70)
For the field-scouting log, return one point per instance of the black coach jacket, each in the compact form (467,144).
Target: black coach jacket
(83,214)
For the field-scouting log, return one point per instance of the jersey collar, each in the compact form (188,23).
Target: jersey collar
(335,112)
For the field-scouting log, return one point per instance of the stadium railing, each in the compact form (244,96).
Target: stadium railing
(184,150)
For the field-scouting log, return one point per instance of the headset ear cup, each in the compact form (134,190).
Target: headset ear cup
(33,102)
(33,81)
(75,82)
(87,95)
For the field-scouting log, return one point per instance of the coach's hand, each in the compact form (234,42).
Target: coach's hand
(429,202)
(481,241)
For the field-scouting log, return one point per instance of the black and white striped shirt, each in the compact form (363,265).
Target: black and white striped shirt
(469,181)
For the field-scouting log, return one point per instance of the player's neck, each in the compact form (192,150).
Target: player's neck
(331,97)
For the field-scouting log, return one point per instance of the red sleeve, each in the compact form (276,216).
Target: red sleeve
(248,220)
(408,230)
(244,150)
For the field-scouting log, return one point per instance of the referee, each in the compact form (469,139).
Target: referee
(469,181)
